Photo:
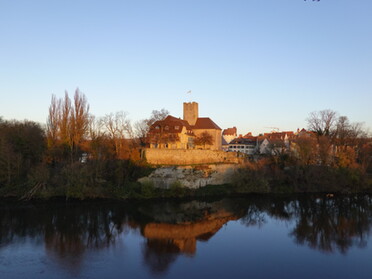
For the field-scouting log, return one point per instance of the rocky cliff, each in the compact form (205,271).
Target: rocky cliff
(191,176)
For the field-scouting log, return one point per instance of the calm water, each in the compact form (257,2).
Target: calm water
(313,237)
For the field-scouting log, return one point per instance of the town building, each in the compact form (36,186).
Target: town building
(247,146)
(227,136)
(250,145)
(268,143)
(186,133)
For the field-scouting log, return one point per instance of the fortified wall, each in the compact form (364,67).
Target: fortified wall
(156,156)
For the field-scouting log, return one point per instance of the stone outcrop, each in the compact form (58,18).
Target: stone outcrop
(191,176)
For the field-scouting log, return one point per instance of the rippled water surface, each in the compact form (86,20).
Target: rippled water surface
(255,237)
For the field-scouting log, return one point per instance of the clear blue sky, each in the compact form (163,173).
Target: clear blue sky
(252,64)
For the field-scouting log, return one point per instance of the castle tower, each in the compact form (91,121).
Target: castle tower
(190,112)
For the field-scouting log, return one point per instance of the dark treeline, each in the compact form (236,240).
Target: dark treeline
(22,151)
(77,155)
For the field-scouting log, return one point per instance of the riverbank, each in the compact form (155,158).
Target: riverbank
(146,191)
(133,191)
(125,179)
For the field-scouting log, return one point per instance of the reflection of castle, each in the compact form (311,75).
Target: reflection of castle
(177,133)
(182,237)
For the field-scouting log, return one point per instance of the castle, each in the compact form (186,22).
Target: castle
(186,133)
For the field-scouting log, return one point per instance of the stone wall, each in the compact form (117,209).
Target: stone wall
(188,156)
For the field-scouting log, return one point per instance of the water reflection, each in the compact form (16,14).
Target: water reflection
(196,221)
(333,224)
(325,224)
(69,231)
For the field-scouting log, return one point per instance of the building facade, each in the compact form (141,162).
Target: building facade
(177,133)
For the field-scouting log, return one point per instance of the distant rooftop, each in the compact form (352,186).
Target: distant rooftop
(230,131)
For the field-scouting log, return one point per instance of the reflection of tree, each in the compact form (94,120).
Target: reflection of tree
(254,217)
(328,225)
(333,224)
(257,209)
(70,231)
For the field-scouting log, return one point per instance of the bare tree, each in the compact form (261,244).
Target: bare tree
(203,139)
(325,150)
(142,127)
(323,122)
(68,125)
(163,139)
(79,120)
(65,121)
(95,127)
(157,115)
(52,128)
(117,127)
(349,134)
(305,150)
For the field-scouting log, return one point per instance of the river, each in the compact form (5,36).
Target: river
(251,237)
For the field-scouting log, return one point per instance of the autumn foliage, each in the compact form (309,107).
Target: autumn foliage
(77,155)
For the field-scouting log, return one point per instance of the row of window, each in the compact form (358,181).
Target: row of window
(242,146)
(167,127)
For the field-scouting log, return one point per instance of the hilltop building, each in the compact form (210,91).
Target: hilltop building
(177,133)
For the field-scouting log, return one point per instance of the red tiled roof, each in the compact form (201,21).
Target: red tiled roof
(171,123)
(279,135)
(250,137)
(171,118)
(230,131)
(244,141)
(205,123)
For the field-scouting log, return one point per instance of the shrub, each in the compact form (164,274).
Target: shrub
(250,180)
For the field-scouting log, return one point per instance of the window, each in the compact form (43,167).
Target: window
(176,127)
(157,127)
(166,128)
